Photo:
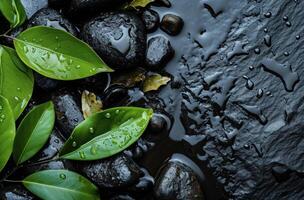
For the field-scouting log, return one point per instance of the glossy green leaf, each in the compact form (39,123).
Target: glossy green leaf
(61,185)
(7,131)
(57,54)
(16,80)
(13,11)
(33,132)
(106,133)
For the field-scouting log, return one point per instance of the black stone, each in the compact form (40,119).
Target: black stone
(59,3)
(177,181)
(115,172)
(45,83)
(122,197)
(115,95)
(281,172)
(159,52)
(78,7)
(52,18)
(172,24)
(119,38)
(32,6)
(15,192)
(68,113)
(157,124)
(151,20)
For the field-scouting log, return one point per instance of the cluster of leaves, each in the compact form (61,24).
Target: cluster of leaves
(59,55)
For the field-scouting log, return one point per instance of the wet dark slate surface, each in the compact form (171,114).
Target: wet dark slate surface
(240,107)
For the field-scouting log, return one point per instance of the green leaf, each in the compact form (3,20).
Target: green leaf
(106,133)
(57,54)
(13,11)
(33,132)
(139,3)
(7,131)
(61,185)
(16,80)
(154,82)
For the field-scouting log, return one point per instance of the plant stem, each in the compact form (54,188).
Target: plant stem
(55,158)
(11,181)
(11,173)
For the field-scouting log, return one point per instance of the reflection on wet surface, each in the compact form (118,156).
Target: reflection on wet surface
(240,69)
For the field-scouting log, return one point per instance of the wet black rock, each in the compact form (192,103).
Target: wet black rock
(15,192)
(115,95)
(52,18)
(122,197)
(172,24)
(281,172)
(119,38)
(59,3)
(159,52)
(137,150)
(32,6)
(144,185)
(45,83)
(151,20)
(93,6)
(177,181)
(96,84)
(114,172)
(165,3)
(68,113)
(157,123)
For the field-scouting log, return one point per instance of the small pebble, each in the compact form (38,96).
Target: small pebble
(172,24)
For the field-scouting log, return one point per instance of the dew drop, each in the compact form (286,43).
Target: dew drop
(285,18)
(108,115)
(16,98)
(18,89)
(2,116)
(78,67)
(92,130)
(117,111)
(93,150)
(268,14)
(62,176)
(257,51)
(82,155)
(74,144)
(260,93)
(26,49)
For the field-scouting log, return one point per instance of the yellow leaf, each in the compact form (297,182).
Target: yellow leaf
(154,82)
(90,104)
(139,3)
(131,78)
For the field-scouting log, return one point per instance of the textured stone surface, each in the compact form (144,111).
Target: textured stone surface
(115,172)
(241,95)
(177,181)
(118,37)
